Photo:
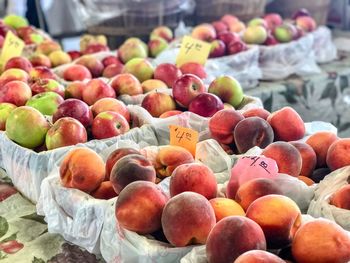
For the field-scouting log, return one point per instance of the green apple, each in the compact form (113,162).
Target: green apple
(27,127)
(15,21)
(156,46)
(132,48)
(46,102)
(141,68)
(5,109)
(228,89)
(255,35)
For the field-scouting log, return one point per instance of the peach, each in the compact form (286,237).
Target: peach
(321,241)
(187,219)
(139,207)
(157,103)
(194,177)
(224,207)
(170,113)
(169,157)
(75,90)
(95,90)
(113,70)
(308,157)
(115,156)
(287,117)
(19,62)
(141,68)
(40,60)
(319,174)
(258,256)
(250,191)
(320,142)
(194,68)
(13,74)
(153,84)
(104,191)
(338,154)
(278,216)
(222,125)
(93,64)
(256,112)
(306,180)
(341,197)
(126,83)
(233,236)
(287,157)
(130,168)
(110,104)
(205,32)
(15,92)
(82,169)
(252,131)
(76,72)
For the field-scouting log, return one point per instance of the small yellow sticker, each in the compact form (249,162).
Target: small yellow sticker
(192,50)
(184,137)
(13,47)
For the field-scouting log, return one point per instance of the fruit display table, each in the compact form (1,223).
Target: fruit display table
(24,235)
(323,97)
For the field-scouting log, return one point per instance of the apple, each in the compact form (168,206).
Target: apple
(44,85)
(219,26)
(65,132)
(168,73)
(59,57)
(94,65)
(257,22)
(75,90)
(271,40)
(206,104)
(4,29)
(141,68)
(228,37)
(94,48)
(217,49)
(110,104)
(273,20)
(204,32)
(194,68)
(110,60)
(27,127)
(13,74)
(109,124)
(76,72)
(255,35)
(307,23)
(301,12)
(235,47)
(229,19)
(126,84)
(15,92)
(132,49)
(228,89)
(156,46)
(284,33)
(5,109)
(46,102)
(25,31)
(2,39)
(237,27)
(162,32)
(113,70)
(74,54)
(97,89)
(157,103)
(153,84)
(19,62)
(76,109)
(40,60)
(186,88)
(47,47)
(41,72)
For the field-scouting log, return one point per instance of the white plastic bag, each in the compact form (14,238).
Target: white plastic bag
(324,48)
(283,60)
(320,207)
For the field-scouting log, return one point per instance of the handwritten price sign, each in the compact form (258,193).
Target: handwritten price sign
(192,50)
(13,47)
(184,137)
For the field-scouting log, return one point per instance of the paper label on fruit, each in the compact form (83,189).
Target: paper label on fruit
(184,137)
(251,167)
(13,47)
(192,50)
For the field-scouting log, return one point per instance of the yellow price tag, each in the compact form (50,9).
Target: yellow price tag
(184,137)
(192,50)
(13,47)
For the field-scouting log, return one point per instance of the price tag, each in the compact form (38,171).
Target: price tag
(13,47)
(192,50)
(184,137)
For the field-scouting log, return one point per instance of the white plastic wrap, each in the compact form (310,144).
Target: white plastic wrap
(243,66)
(283,60)
(320,206)
(324,48)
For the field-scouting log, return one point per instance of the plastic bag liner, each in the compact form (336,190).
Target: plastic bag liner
(324,48)
(198,254)
(243,66)
(283,60)
(27,168)
(320,207)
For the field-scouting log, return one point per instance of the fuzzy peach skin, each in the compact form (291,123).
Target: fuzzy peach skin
(139,207)
(338,154)
(320,142)
(278,216)
(233,236)
(194,177)
(256,112)
(104,191)
(224,207)
(321,241)
(187,219)
(287,124)
(169,157)
(258,256)
(82,169)
(341,197)
(308,156)
(287,157)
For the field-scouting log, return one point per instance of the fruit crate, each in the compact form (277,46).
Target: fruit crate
(318,9)
(208,11)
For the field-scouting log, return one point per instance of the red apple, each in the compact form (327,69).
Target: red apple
(93,64)
(74,54)
(273,20)
(157,103)
(110,104)
(206,104)
(44,85)
(204,32)
(194,68)
(65,132)
(168,73)
(126,83)
(40,60)
(19,62)
(301,12)
(41,72)
(186,88)
(113,70)
(271,40)
(217,49)
(110,60)
(235,47)
(15,92)
(76,72)
(75,90)
(219,26)
(13,74)
(228,37)
(109,124)
(94,48)
(97,89)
